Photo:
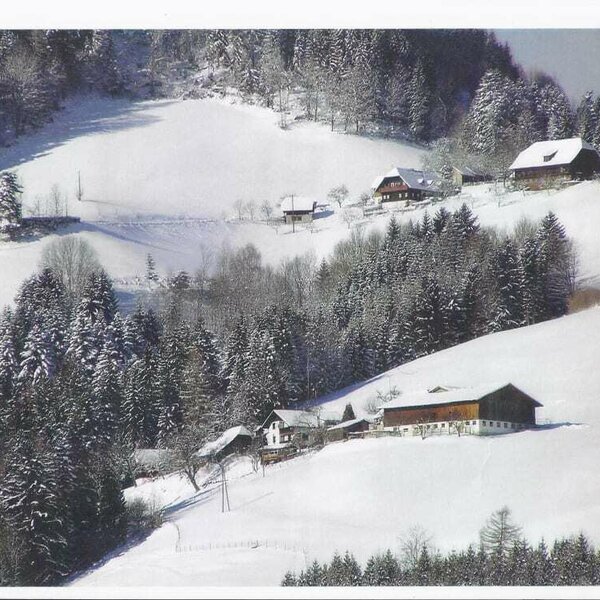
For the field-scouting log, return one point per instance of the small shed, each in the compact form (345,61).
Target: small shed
(298,209)
(468,175)
(343,430)
(555,160)
(235,440)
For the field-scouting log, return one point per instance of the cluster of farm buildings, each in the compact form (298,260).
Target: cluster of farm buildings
(555,161)
(492,409)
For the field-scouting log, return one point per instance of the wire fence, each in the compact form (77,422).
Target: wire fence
(241,544)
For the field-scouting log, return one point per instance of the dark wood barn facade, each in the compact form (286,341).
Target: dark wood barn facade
(504,404)
(547,162)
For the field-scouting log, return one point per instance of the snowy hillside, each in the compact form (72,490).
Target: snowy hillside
(363,495)
(193,158)
(145,167)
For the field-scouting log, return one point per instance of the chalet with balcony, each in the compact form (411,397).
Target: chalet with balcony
(555,161)
(484,410)
(406,184)
(284,427)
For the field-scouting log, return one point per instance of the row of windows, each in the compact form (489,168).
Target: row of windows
(467,423)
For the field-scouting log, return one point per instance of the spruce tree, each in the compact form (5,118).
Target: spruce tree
(10,201)
(31,502)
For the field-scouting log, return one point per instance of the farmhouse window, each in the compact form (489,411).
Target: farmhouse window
(443,424)
(497,424)
(505,425)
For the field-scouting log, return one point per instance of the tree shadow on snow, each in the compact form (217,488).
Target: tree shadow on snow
(544,426)
(91,117)
(136,539)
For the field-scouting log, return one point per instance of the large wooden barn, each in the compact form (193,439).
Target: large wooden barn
(484,410)
(553,161)
(406,184)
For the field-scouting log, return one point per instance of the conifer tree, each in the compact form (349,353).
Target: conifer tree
(10,201)
(31,502)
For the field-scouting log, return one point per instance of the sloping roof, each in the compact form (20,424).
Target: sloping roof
(415,179)
(470,171)
(349,423)
(296,418)
(223,441)
(377,182)
(426,398)
(550,153)
(298,203)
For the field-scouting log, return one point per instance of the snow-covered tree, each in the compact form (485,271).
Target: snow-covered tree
(10,201)
(32,504)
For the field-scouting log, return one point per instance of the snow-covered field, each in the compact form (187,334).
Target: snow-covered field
(163,178)
(364,495)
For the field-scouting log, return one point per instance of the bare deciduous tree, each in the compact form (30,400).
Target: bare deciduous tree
(73,260)
(266,210)
(349,216)
(412,543)
(184,446)
(56,201)
(338,194)
(239,208)
(250,209)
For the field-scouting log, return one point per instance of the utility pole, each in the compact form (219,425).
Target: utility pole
(224,492)
(79,191)
(293,219)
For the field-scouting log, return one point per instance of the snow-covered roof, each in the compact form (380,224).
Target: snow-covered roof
(377,182)
(446,395)
(349,423)
(470,171)
(550,153)
(295,203)
(415,179)
(223,441)
(298,418)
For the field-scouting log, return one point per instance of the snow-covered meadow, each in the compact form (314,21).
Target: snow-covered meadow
(163,177)
(364,495)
